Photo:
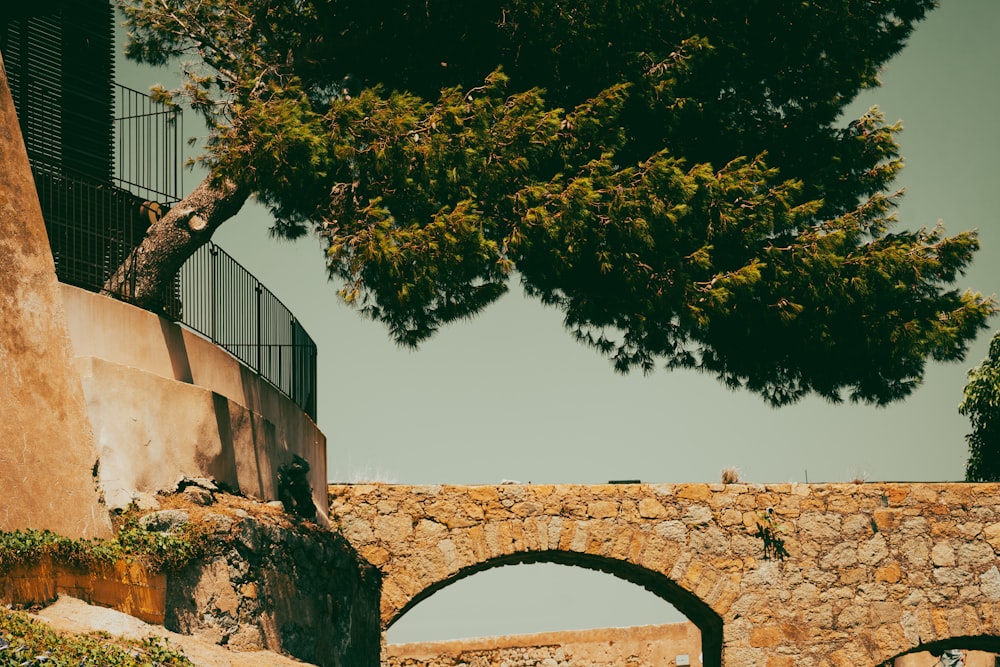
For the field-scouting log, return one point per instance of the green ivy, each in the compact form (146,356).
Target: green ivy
(24,641)
(131,543)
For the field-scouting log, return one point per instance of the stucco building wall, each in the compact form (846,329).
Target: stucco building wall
(47,450)
(165,403)
(660,645)
(925,659)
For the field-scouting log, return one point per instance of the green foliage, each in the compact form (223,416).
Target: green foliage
(168,551)
(981,404)
(28,642)
(670,175)
(769,533)
(131,542)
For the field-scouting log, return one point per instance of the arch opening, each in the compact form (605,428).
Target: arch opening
(693,609)
(978,651)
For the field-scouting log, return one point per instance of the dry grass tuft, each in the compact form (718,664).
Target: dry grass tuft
(730,475)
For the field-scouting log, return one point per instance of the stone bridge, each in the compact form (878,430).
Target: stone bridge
(774,575)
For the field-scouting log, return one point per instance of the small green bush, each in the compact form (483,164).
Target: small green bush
(132,542)
(24,641)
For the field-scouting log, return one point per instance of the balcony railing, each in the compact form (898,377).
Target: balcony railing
(224,302)
(93,227)
(149,160)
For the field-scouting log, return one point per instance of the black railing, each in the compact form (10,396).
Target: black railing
(94,225)
(148,146)
(227,304)
(92,230)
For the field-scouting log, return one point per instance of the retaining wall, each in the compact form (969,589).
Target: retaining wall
(165,403)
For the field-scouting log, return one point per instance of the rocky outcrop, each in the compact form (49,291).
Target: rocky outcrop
(260,579)
(275,583)
(276,587)
(70,615)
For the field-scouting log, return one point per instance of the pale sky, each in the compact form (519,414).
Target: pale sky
(510,395)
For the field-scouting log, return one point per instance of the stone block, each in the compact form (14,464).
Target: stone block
(602,509)
(766,636)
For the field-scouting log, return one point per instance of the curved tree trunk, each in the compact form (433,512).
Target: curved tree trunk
(147,274)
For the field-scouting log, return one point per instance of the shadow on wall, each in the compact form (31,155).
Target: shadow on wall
(295,589)
(166,403)
(173,340)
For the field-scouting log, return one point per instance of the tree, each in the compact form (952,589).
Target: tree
(670,174)
(981,404)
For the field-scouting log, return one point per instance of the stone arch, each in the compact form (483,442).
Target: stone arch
(974,625)
(696,610)
(870,571)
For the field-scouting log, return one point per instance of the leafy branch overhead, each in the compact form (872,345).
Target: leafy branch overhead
(671,175)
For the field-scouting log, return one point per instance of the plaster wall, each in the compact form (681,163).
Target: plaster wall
(925,659)
(165,402)
(660,645)
(47,450)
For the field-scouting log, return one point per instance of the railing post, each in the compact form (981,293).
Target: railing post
(212,291)
(260,343)
(294,361)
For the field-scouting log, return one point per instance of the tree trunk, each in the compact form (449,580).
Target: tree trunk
(146,276)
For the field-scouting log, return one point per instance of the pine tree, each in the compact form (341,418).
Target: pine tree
(981,404)
(672,175)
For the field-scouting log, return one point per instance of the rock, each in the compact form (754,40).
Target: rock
(199,496)
(200,482)
(221,522)
(164,520)
(145,502)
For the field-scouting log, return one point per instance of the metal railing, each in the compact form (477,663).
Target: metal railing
(94,225)
(148,146)
(227,304)
(92,230)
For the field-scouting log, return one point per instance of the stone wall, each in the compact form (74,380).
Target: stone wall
(643,646)
(925,659)
(856,574)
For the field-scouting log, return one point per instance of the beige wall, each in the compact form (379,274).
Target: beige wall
(924,659)
(47,451)
(659,645)
(166,403)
